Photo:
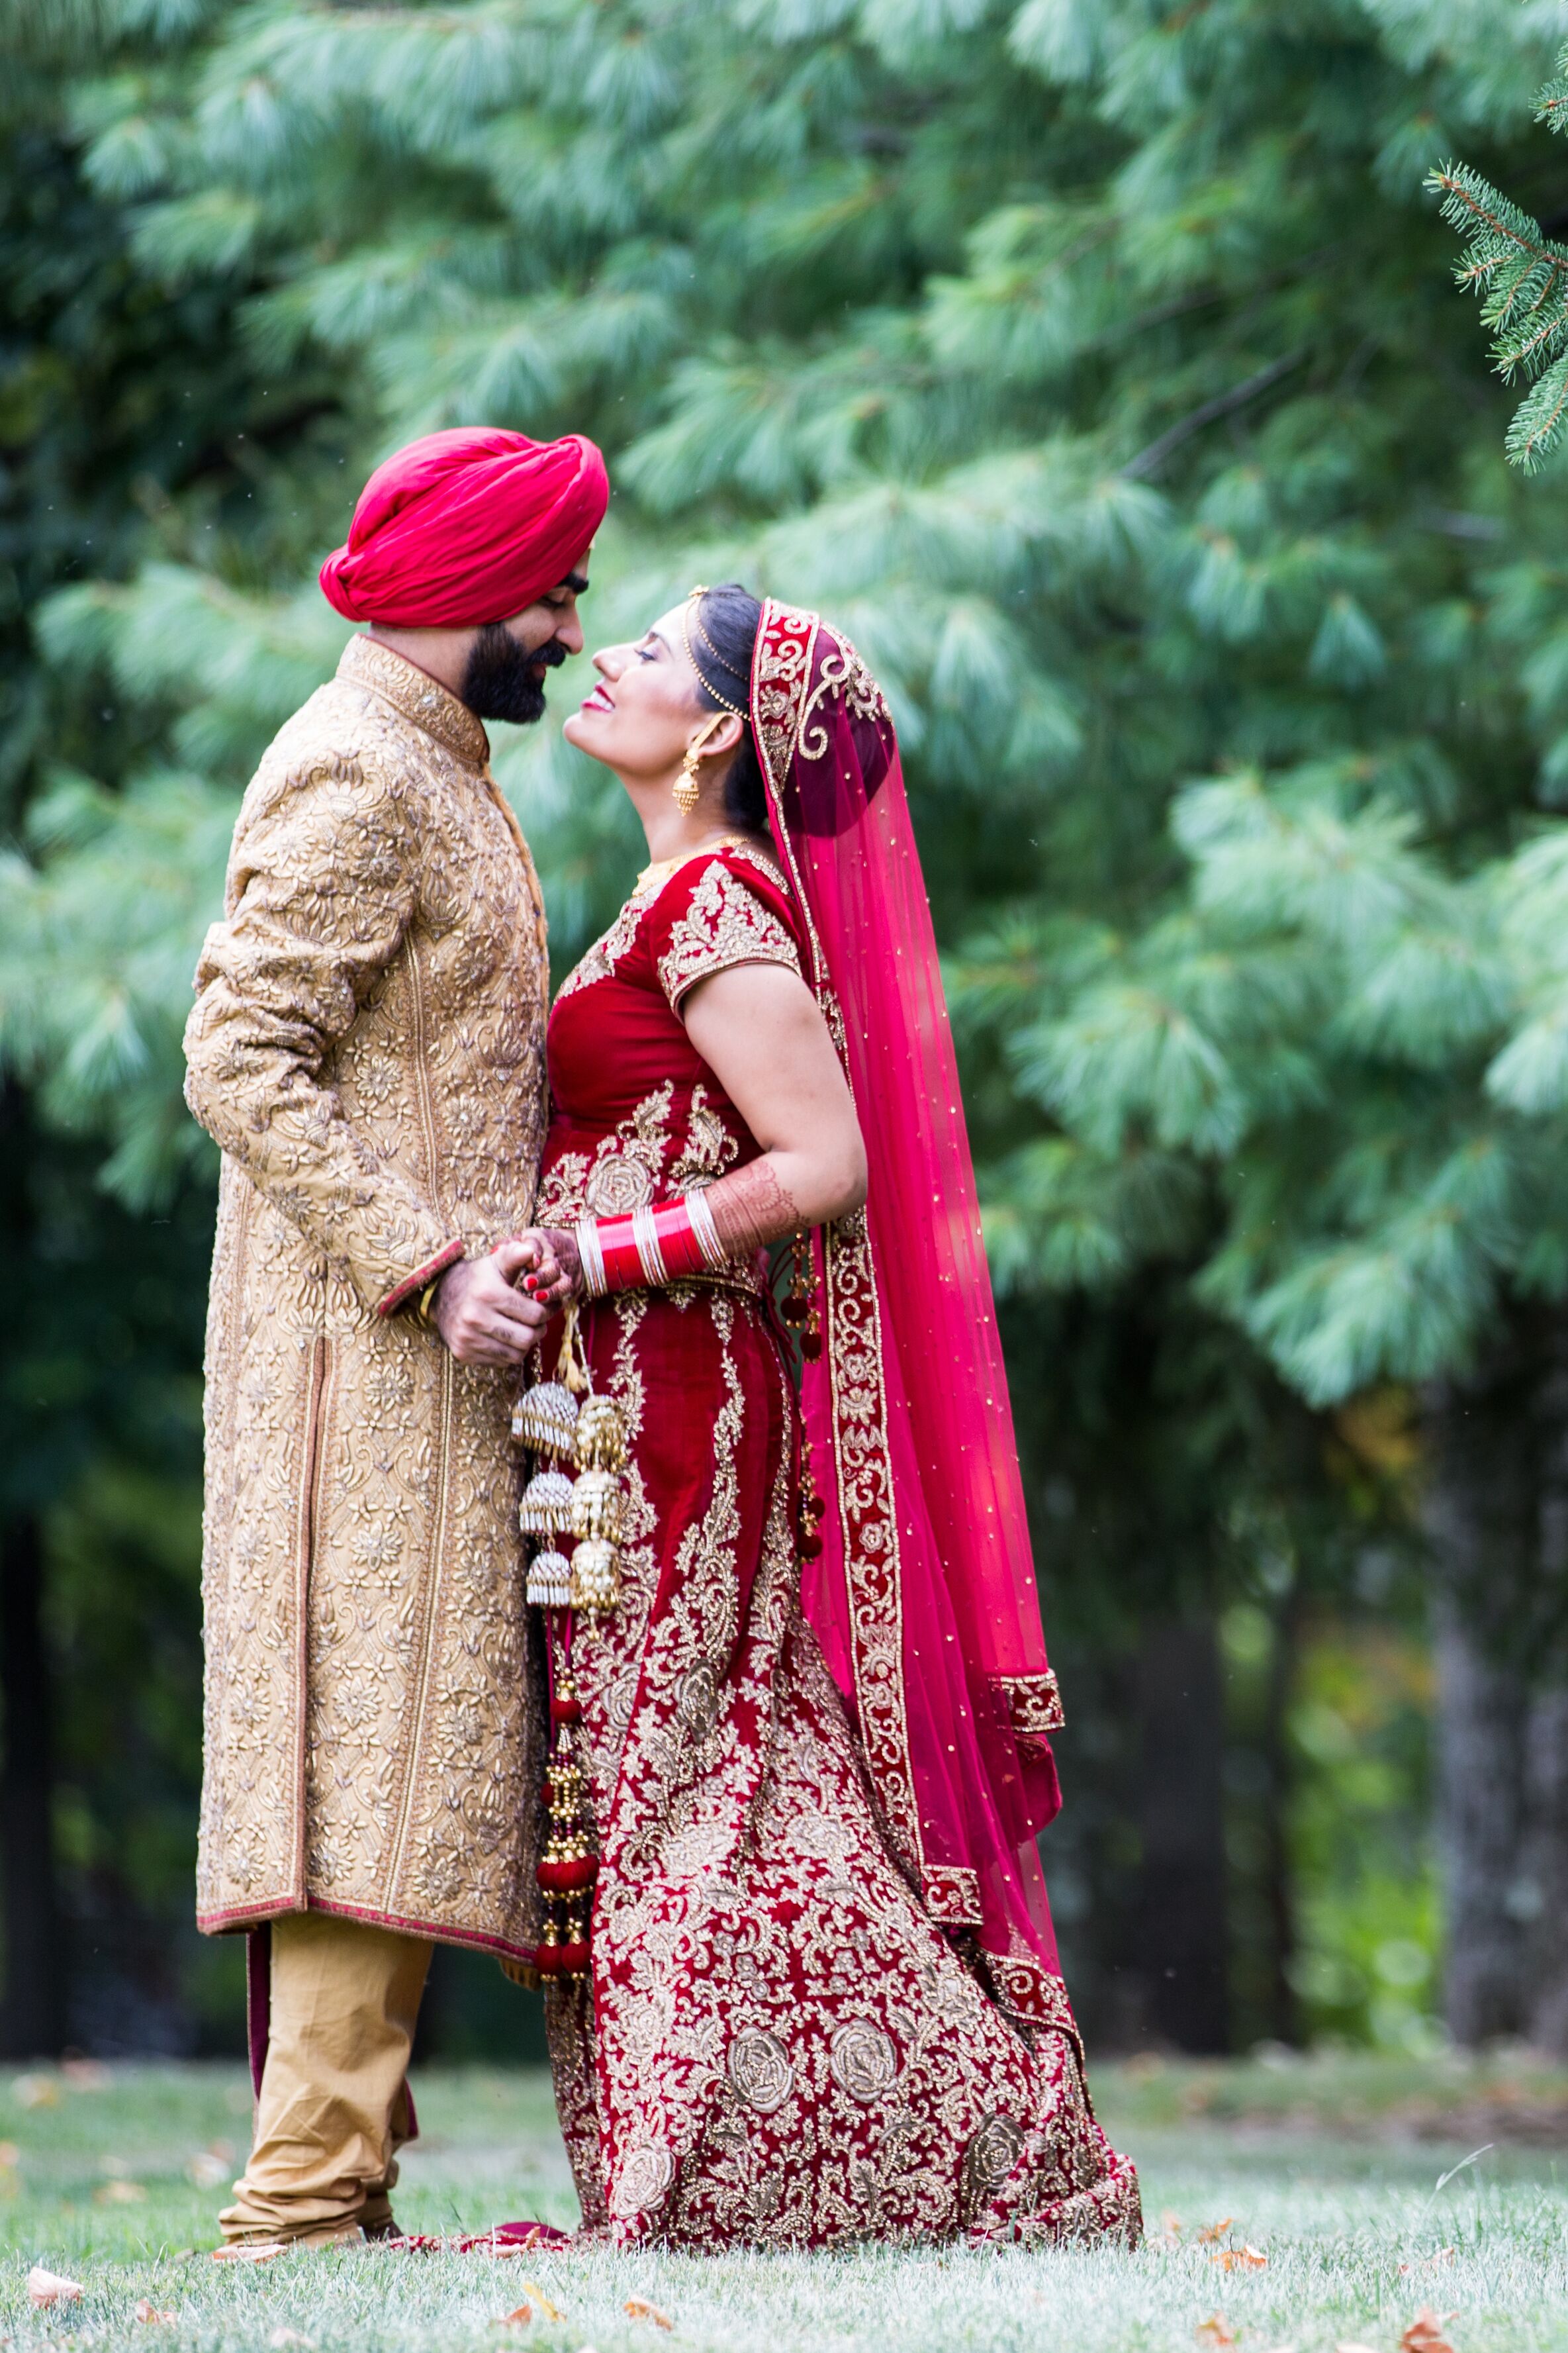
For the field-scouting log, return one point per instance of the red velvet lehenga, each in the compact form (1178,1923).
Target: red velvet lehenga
(777,2044)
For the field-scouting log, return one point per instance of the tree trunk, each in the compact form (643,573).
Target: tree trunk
(1545,1875)
(33,2011)
(1284,2022)
(1480,1724)
(1181,1937)
(1484,1521)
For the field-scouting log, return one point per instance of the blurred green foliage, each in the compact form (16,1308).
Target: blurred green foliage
(1095,363)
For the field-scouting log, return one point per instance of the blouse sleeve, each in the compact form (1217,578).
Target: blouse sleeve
(714,916)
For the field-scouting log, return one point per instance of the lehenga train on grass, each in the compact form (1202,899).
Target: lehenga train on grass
(802,1986)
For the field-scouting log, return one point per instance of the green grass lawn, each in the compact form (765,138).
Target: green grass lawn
(1330,2169)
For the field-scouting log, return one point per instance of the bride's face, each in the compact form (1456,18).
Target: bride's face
(646,709)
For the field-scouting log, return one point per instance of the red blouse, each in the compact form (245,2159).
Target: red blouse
(636,1116)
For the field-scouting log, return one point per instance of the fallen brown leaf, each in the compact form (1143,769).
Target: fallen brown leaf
(1171,2225)
(44,2288)
(119,2193)
(518,2319)
(1249,2259)
(1211,2232)
(149,2311)
(206,2169)
(1425,2334)
(243,2254)
(640,2309)
(547,2311)
(86,2075)
(1215,2332)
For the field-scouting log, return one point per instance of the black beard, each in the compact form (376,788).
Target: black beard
(504,680)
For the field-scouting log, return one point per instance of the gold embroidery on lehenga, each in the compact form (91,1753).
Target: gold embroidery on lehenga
(707,1150)
(989,2158)
(785,2050)
(608,949)
(759,2068)
(863,2060)
(622,1174)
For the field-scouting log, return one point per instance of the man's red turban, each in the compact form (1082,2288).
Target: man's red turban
(466,527)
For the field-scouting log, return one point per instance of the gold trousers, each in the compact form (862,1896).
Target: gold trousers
(334,2097)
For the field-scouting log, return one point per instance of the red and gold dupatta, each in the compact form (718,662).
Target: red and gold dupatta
(924,1595)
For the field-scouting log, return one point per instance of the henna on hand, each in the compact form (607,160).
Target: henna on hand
(553,1273)
(751,1208)
(566,1276)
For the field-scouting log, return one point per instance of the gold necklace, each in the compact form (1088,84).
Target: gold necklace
(661,872)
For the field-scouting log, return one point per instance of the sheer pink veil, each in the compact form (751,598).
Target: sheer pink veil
(924,1595)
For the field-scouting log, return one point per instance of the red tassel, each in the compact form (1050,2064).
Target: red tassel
(565,1877)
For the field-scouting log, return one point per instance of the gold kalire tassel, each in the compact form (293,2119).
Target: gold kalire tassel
(560,1422)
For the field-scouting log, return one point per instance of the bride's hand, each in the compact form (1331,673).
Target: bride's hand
(555,1273)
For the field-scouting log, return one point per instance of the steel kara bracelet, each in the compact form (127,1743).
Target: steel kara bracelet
(650,1248)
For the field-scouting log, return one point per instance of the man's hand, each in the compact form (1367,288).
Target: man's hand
(481,1315)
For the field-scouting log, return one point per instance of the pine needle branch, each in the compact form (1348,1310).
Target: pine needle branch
(1522,275)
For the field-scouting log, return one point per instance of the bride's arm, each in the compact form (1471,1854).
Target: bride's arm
(758,1029)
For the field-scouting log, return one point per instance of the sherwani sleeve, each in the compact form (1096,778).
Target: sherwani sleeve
(322,885)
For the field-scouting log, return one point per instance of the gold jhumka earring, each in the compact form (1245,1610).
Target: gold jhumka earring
(689,790)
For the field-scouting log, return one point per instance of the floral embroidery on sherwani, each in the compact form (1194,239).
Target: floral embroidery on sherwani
(778,2045)
(367,1047)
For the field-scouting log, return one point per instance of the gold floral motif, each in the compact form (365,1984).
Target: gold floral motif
(708,1149)
(724,923)
(863,2060)
(616,1186)
(992,2153)
(371,1735)
(759,2068)
(621,1173)
(1033,1702)
(642,2181)
(952,1895)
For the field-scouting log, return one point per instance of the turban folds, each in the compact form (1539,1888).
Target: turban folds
(466,527)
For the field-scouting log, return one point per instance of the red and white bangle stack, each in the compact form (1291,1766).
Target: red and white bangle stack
(650,1249)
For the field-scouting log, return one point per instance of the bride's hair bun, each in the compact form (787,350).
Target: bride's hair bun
(727,620)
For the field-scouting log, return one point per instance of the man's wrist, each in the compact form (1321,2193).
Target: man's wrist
(406,1296)
(424,1305)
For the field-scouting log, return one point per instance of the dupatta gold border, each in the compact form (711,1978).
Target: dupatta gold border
(782,702)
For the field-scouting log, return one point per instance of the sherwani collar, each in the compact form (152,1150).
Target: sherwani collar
(417,696)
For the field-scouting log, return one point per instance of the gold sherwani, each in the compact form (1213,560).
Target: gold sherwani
(367,1047)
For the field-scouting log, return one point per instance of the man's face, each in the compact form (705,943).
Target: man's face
(504,676)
